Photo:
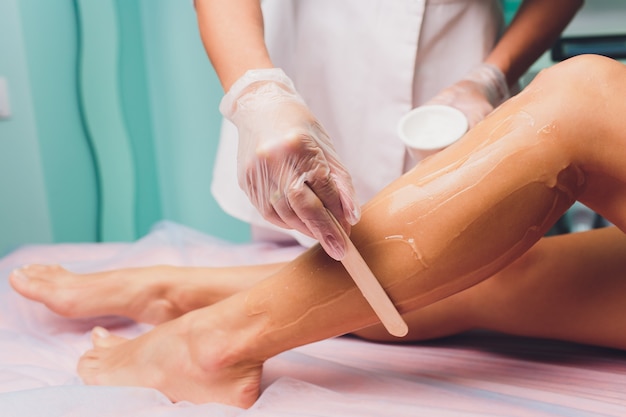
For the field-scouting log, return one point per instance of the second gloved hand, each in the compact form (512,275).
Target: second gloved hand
(286,162)
(477,94)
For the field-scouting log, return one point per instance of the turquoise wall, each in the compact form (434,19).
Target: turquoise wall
(50,43)
(24,211)
(122,84)
(510,8)
(137,114)
(184,95)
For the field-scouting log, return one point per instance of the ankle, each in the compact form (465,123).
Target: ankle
(226,336)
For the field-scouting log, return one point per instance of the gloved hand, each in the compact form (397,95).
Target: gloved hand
(477,94)
(286,163)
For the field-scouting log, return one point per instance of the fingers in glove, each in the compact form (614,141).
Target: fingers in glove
(308,217)
(347,196)
(282,213)
(301,205)
(325,186)
(309,210)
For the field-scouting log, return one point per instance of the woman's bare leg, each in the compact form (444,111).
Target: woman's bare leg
(571,288)
(568,287)
(453,221)
(160,293)
(146,294)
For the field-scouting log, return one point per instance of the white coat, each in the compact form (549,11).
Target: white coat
(360,65)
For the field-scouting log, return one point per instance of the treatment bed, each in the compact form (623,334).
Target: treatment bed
(474,374)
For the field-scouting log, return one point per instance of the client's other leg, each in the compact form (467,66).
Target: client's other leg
(572,287)
(146,294)
(448,224)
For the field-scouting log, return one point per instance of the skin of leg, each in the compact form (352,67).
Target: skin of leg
(153,294)
(169,290)
(567,287)
(508,301)
(453,221)
(604,190)
(570,288)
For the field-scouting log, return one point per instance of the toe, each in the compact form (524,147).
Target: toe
(20,282)
(44,271)
(102,338)
(88,367)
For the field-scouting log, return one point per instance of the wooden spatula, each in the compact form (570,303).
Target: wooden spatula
(371,288)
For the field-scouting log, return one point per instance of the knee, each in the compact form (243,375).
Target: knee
(574,95)
(582,77)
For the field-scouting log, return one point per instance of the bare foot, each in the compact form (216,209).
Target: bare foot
(148,295)
(186,359)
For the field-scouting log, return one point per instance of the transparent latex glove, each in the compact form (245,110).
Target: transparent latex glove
(286,163)
(477,94)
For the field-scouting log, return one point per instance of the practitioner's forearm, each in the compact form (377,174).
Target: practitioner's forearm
(232,34)
(536,26)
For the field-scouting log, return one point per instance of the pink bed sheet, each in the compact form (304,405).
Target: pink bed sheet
(478,374)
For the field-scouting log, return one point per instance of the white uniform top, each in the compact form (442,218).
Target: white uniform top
(360,65)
